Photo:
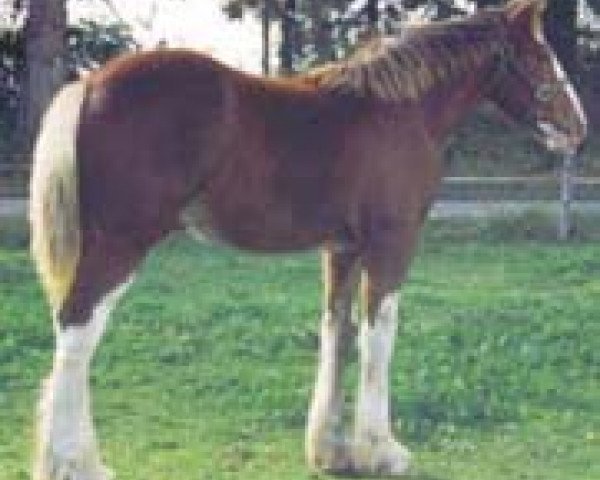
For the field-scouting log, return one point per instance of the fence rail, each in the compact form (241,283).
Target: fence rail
(515,189)
(14,178)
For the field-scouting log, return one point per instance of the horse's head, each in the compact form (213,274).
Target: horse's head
(530,85)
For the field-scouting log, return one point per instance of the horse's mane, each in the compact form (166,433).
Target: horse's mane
(408,65)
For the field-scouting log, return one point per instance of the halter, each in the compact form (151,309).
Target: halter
(505,64)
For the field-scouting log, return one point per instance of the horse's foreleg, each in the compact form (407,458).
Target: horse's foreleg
(326,446)
(375,449)
(67,448)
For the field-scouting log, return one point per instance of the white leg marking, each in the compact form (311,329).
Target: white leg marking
(376,451)
(324,438)
(376,346)
(325,410)
(67,443)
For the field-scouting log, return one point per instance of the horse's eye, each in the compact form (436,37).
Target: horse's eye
(546,92)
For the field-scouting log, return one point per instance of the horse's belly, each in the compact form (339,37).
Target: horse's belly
(254,228)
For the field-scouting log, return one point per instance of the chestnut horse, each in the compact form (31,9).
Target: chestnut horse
(346,158)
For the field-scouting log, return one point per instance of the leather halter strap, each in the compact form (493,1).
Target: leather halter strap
(507,64)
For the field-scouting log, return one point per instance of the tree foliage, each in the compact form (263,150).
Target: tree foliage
(88,45)
(326,29)
(91,44)
(322,30)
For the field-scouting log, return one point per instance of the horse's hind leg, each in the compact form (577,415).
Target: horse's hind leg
(326,447)
(67,447)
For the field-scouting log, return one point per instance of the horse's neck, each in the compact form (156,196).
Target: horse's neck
(441,68)
(444,108)
(446,104)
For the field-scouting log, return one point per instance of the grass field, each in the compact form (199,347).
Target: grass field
(208,365)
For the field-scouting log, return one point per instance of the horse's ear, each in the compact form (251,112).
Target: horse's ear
(527,14)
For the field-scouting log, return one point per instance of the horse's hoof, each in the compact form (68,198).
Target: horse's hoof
(99,473)
(382,458)
(70,471)
(331,456)
(386,458)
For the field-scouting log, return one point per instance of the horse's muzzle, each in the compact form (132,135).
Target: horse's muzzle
(566,141)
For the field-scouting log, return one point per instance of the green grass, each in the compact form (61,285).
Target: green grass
(207,367)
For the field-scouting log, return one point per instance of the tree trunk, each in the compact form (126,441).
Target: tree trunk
(372,9)
(321,31)
(45,49)
(288,25)
(266,14)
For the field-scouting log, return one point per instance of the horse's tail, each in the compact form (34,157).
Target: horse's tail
(54,197)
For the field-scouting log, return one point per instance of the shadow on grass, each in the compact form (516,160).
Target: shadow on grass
(14,233)
(408,476)
(424,476)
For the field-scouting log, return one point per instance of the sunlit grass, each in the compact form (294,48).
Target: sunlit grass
(207,367)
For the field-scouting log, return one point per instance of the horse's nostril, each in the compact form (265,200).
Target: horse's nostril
(573,128)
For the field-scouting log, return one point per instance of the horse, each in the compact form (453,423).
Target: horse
(345,158)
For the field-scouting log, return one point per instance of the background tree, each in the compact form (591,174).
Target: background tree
(488,3)
(12,67)
(316,31)
(29,75)
(45,58)
(306,27)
